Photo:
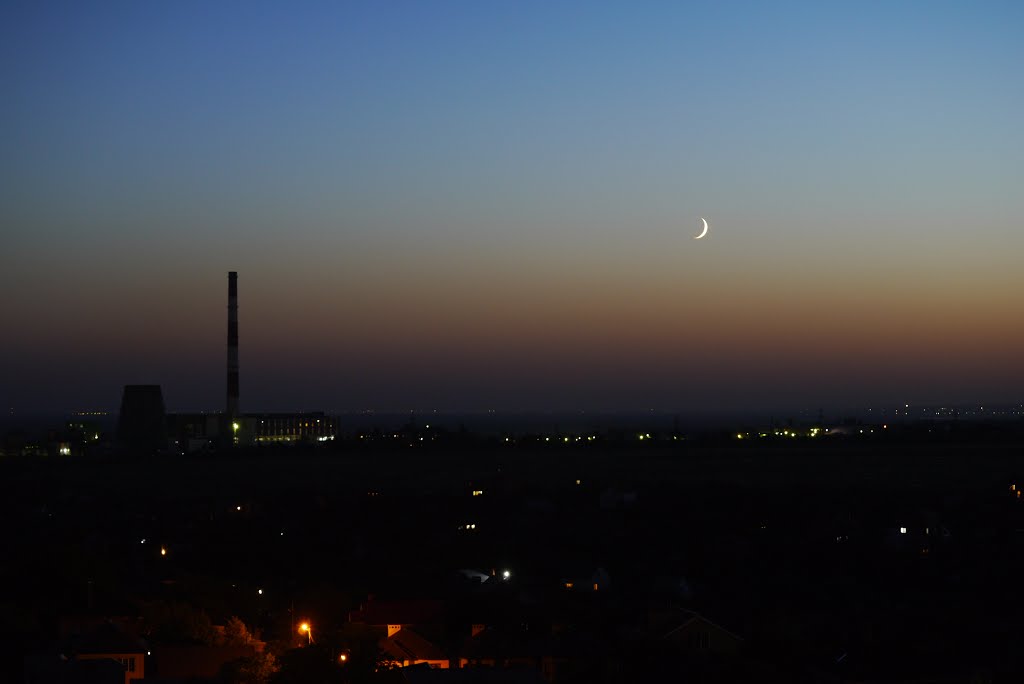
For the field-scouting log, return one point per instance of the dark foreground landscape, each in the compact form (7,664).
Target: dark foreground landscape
(567,560)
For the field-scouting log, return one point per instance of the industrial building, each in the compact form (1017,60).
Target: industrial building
(142,413)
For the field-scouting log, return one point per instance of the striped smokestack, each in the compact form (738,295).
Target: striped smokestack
(232,406)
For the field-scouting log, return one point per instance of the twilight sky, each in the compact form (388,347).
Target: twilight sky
(462,205)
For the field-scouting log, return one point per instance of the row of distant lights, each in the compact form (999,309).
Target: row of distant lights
(566,440)
(813,432)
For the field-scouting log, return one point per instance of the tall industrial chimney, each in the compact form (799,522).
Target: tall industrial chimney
(232,405)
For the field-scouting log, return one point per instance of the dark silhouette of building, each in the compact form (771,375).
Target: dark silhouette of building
(141,425)
(196,432)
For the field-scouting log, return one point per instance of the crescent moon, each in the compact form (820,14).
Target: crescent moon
(703,232)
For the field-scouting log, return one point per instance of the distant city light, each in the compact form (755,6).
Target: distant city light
(506,574)
(260,592)
(163,551)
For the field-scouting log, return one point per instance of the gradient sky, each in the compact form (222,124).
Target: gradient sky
(462,205)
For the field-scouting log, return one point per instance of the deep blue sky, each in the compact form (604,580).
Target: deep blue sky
(476,204)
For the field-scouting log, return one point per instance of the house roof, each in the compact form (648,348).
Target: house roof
(407,644)
(689,617)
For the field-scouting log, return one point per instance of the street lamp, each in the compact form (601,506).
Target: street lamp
(306,629)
